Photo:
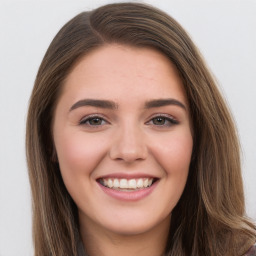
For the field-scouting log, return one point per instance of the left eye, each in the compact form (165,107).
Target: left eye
(163,121)
(93,121)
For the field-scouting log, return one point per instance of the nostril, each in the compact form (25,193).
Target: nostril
(128,148)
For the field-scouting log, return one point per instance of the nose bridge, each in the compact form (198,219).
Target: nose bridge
(129,144)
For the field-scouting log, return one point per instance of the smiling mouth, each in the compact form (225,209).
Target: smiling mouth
(127,185)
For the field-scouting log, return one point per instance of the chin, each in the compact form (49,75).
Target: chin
(132,225)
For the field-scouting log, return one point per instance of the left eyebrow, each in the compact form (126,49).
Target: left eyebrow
(94,103)
(163,102)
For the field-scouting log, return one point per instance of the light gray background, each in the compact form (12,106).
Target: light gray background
(224,32)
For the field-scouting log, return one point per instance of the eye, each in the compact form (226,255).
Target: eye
(163,121)
(93,121)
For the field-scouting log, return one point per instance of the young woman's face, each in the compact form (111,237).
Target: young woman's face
(123,137)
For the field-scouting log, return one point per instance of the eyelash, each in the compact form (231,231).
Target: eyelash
(167,118)
(86,120)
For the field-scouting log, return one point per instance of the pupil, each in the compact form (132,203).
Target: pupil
(159,121)
(95,121)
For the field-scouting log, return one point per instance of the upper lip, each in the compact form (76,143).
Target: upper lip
(127,176)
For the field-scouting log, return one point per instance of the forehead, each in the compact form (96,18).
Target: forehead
(119,70)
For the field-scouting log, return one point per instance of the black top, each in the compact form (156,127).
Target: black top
(251,251)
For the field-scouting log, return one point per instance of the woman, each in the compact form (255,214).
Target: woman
(131,149)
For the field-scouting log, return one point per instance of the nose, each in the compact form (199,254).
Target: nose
(129,145)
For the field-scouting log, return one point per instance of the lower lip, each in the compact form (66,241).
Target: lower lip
(129,196)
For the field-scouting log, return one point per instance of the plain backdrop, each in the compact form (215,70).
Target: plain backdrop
(224,31)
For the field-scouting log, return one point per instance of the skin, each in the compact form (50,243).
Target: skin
(128,139)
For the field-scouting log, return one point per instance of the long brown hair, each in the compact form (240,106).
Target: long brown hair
(209,219)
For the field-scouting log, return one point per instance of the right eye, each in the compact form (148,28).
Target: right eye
(93,121)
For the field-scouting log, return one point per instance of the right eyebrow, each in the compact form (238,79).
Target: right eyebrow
(94,103)
(164,102)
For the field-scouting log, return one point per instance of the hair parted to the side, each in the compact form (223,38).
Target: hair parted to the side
(210,217)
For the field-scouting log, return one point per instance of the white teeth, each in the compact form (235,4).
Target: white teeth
(109,183)
(132,183)
(116,183)
(123,183)
(145,183)
(140,183)
(127,184)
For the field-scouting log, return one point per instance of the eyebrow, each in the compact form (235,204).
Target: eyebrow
(107,104)
(163,102)
(95,103)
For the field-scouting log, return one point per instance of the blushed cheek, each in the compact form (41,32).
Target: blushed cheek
(79,156)
(174,154)
(182,151)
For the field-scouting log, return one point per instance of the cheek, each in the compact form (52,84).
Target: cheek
(173,152)
(174,156)
(79,154)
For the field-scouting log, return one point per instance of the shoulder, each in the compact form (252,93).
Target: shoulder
(251,251)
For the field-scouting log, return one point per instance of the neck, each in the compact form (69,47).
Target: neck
(99,242)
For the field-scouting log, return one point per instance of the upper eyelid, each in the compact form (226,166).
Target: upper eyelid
(162,115)
(171,121)
(91,116)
